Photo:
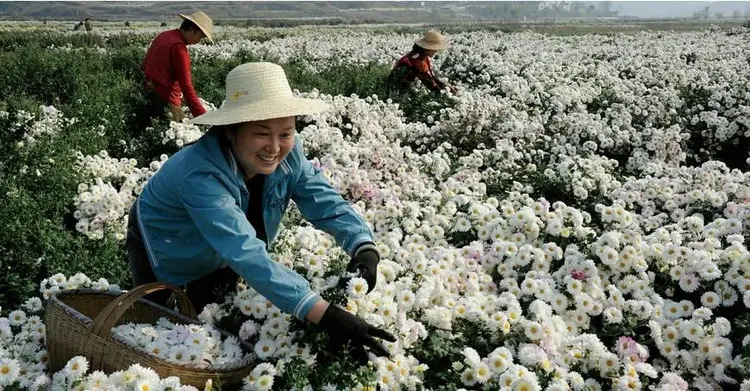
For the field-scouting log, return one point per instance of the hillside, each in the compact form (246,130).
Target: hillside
(376,11)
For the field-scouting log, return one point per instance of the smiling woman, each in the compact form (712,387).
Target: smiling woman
(208,216)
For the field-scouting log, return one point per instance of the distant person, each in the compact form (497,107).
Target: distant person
(78,26)
(166,68)
(89,28)
(417,64)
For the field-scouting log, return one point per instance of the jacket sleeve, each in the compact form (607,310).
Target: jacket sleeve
(425,74)
(323,206)
(181,61)
(224,226)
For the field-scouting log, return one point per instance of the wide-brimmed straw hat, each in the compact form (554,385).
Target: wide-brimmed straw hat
(203,22)
(258,91)
(432,40)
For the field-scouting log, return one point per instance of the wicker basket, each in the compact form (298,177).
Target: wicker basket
(71,332)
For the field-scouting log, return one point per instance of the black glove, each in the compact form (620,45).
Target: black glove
(344,327)
(365,263)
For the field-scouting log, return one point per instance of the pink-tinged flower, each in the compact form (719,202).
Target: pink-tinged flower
(629,348)
(626,346)
(579,274)
(370,194)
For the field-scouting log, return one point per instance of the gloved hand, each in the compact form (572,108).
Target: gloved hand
(365,263)
(344,327)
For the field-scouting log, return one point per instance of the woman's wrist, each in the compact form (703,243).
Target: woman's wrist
(317,311)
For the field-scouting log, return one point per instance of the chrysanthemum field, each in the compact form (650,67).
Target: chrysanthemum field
(576,217)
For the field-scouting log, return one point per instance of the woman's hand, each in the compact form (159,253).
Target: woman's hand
(365,263)
(344,327)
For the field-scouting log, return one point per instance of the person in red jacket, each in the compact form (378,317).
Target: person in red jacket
(417,64)
(166,68)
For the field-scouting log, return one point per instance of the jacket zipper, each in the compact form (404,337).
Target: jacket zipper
(270,185)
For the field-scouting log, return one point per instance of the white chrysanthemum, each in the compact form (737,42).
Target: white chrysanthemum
(76,368)
(482,373)
(612,315)
(264,383)
(356,288)
(608,364)
(265,348)
(172,382)
(9,371)
(145,385)
(689,282)
(179,354)
(525,385)
(710,300)
(533,331)
(17,318)
(248,329)
(33,304)
(468,377)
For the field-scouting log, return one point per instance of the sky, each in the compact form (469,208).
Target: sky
(659,9)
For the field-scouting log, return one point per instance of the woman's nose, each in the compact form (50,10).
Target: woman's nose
(273,145)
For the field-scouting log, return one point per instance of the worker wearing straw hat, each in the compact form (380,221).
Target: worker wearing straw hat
(166,68)
(417,64)
(210,213)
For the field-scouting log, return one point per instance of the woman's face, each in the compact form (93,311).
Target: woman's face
(260,146)
(194,36)
(429,52)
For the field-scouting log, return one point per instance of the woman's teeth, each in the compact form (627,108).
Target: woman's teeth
(267,158)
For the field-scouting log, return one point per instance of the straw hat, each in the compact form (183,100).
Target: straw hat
(203,22)
(258,91)
(432,40)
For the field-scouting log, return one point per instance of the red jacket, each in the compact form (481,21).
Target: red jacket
(412,66)
(166,69)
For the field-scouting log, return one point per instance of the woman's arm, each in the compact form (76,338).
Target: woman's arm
(324,207)
(427,76)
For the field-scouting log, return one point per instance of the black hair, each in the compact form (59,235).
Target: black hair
(223,133)
(189,26)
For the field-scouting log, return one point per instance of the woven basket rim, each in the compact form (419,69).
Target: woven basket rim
(210,369)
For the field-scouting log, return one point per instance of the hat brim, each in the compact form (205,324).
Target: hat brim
(279,108)
(431,45)
(187,17)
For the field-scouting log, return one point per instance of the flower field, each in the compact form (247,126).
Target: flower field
(576,217)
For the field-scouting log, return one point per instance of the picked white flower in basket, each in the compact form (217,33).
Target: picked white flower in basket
(82,322)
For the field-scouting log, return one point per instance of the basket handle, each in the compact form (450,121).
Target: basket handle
(108,317)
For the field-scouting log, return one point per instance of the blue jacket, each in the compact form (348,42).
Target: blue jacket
(192,219)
